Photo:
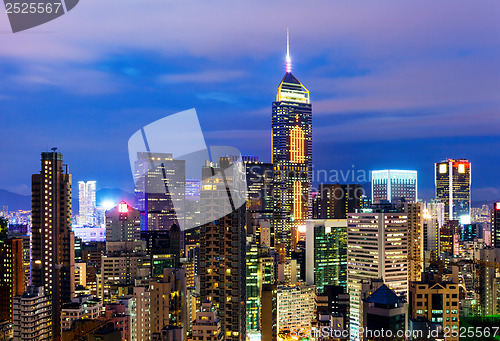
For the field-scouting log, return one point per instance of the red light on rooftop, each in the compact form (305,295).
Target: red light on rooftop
(497,206)
(123,207)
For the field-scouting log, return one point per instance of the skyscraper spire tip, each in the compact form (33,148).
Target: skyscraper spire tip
(288,59)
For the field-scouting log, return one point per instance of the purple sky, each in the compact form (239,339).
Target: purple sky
(394,84)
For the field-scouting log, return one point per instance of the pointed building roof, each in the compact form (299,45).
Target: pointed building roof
(384,296)
(290,89)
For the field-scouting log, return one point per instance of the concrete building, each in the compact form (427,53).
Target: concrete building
(168,303)
(33,315)
(415,213)
(384,310)
(287,309)
(377,248)
(11,275)
(81,307)
(326,252)
(207,326)
(453,181)
(53,253)
(123,224)
(392,185)
(435,301)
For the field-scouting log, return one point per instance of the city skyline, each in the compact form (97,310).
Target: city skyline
(370,88)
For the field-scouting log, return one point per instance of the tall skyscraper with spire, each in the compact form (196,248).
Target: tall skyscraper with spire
(292,156)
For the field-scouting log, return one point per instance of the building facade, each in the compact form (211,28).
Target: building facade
(326,253)
(377,248)
(392,185)
(291,158)
(123,224)
(453,181)
(334,201)
(53,258)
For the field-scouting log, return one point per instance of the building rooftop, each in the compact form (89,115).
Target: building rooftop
(384,296)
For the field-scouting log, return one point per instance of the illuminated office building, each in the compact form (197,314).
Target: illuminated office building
(449,237)
(326,253)
(433,221)
(160,190)
(259,201)
(11,275)
(392,185)
(453,181)
(87,203)
(291,157)
(33,316)
(377,248)
(222,250)
(53,253)
(437,302)
(495,225)
(123,224)
(334,201)
(415,212)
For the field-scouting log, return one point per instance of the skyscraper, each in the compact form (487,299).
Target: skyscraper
(433,221)
(123,224)
(222,250)
(159,190)
(52,240)
(291,156)
(392,185)
(415,212)
(326,253)
(334,201)
(495,225)
(377,248)
(453,181)
(87,202)
(11,275)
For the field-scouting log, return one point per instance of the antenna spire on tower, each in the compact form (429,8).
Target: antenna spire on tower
(288,59)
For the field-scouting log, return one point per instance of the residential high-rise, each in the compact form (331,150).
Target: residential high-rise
(392,185)
(87,203)
(207,326)
(326,253)
(159,190)
(33,319)
(453,181)
(495,225)
(123,224)
(334,201)
(222,250)
(291,157)
(449,237)
(53,257)
(287,310)
(377,248)
(168,300)
(11,275)
(259,202)
(415,212)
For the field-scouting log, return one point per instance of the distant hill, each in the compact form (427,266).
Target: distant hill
(14,201)
(23,202)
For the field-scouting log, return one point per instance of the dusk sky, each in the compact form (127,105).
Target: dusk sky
(394,84)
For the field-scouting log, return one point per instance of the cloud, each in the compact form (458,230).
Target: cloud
(219,97)
(76,80)
(202,77)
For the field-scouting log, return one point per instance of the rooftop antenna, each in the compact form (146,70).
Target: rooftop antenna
(53,149)
(288,59)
